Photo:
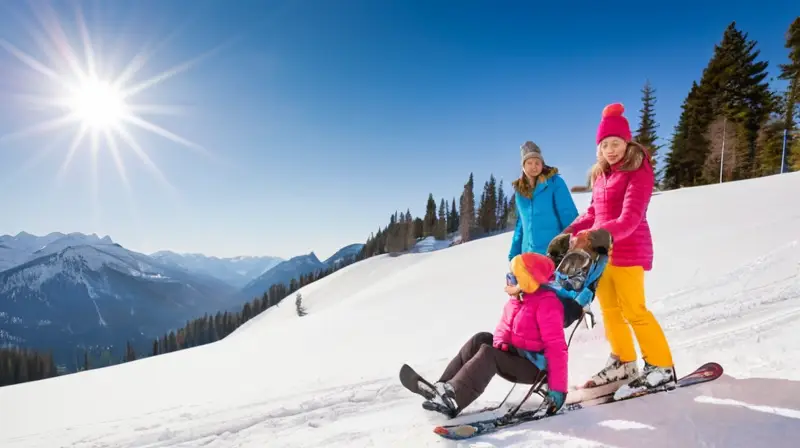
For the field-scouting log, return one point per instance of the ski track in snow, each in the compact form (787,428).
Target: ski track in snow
(330,378)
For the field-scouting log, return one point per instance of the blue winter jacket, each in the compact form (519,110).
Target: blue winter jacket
(542,215)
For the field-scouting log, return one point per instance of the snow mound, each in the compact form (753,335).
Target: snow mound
(725,286)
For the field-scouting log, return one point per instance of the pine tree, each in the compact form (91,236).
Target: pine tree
(441,221)
(511,211)
(429,222)
(688,149)
(491,193)
(410,239)
(501,214)
(793,154)
(770,146)
(391,235)
(646,134)
(479,214)
(742,93)
(397,236)
(405,230)
(452,218)
(467,219)
(487,215)
(419,228)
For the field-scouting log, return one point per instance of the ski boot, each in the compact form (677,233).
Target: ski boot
(614,371)
(652,377)
(442,398)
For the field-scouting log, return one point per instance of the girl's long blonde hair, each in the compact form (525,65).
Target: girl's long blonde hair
(635,154)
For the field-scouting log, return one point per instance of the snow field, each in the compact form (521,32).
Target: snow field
(725,287)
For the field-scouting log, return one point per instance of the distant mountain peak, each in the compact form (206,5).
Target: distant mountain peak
(58,235)
(345,253)
(235,271)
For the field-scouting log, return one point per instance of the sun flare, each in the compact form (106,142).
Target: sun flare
(98,102)
(98,105)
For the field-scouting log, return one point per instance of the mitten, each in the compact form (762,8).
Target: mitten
(558,247)
(600,240)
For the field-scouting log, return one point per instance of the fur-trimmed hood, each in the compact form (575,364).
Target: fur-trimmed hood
(523,187)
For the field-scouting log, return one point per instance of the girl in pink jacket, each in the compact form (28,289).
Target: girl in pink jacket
(528,339)
(532,322)
(622,184)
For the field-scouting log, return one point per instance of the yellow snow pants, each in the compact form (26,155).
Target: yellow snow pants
(620,292)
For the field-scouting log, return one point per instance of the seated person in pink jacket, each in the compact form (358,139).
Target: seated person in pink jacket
(528,339)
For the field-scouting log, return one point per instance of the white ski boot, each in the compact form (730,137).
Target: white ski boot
(613,372)
(652,377)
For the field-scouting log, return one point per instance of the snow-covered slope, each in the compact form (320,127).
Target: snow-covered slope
(725,286)
(429,244)
(236,271)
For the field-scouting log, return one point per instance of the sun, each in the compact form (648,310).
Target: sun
(99,101)
(98,104)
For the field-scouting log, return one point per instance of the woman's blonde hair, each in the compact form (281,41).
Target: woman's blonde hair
(635,154)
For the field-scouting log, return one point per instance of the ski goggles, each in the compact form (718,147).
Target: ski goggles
(511,280)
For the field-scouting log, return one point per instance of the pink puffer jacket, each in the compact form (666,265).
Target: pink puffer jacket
(536,324)
(619,205)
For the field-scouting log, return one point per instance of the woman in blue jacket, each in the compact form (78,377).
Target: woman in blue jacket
(543,202)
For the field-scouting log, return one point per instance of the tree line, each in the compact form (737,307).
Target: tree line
(495,212)
(20,365)
(732,124)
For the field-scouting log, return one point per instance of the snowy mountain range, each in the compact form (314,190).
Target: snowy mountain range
(295,267)
(236,271)
(282,273)
(62,291)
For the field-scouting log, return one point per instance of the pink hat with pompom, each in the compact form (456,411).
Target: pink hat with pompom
(613,123)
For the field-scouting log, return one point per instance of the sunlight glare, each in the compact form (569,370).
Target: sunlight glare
(101,106)
(98,104)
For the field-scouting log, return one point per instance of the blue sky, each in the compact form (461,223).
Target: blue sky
(321,118)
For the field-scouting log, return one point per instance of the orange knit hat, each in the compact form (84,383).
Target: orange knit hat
(532,270)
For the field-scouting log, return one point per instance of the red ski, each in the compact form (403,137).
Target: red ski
(703,374)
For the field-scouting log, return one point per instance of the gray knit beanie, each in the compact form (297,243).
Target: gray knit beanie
(529,150)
